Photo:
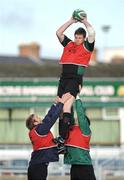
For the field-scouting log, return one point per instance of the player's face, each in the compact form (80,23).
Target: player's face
(36,120)
(79,39)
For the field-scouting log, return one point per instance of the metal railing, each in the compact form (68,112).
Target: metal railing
(104,165)
(109,167)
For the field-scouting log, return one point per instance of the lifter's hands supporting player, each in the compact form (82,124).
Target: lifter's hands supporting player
(64,98)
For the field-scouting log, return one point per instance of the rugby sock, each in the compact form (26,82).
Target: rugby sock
(64,125)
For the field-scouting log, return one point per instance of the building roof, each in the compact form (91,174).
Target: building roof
(16,60)
(17,66)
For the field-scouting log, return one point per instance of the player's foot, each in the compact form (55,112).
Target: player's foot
(61,149)
(58,140)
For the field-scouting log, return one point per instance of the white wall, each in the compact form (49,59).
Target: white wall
(109,53)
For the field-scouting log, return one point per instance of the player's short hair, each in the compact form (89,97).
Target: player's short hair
(29,123)
(80,31)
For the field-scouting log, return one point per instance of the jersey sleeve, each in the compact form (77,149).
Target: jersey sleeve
(82,118)
(89,46)
(65,41)
(49,119)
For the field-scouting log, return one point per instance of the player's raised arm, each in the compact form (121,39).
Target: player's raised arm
(60,31)
(90,30)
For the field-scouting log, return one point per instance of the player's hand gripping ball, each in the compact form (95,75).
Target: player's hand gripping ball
(79,14)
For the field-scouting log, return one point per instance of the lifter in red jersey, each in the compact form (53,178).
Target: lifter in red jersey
(44,149)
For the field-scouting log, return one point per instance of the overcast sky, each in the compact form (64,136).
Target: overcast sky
(25,21)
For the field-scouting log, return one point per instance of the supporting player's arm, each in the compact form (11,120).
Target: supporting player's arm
(52,115)
(60,31)
(90,30)
(82,120)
